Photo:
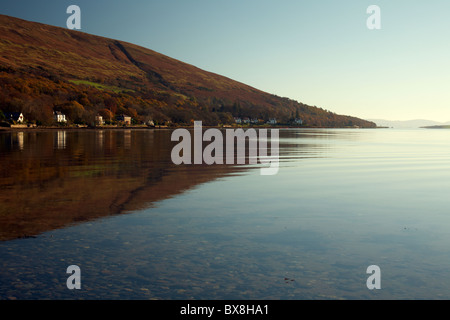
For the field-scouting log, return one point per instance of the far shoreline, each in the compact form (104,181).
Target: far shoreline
(437,127)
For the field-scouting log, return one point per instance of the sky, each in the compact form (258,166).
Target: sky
(319,52)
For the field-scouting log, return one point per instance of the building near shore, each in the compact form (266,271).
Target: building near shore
(99,120)
(124,119)
(14,117)
(59,117)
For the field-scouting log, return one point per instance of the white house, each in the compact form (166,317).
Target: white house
(124,119)
(60,117)
(272,121)
(99,120)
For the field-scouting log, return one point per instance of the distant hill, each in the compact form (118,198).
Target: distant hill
(418,123)
(45,69)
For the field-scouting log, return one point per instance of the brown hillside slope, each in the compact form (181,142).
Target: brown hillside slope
(57,53)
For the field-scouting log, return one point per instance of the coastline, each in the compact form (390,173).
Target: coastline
(145,127)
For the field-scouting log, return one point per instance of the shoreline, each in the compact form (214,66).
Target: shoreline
(143,127)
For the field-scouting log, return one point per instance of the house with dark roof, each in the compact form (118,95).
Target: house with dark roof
(16,117)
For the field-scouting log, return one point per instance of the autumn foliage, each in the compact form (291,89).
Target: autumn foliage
(44,69)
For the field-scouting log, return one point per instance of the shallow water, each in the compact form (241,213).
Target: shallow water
(139,227)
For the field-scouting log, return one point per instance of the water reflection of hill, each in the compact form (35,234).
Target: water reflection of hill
(50,180)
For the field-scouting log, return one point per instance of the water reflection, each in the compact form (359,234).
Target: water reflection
(15,140)
(100,139)
(61,139)
(20,140)
(140,227)
(127,139)
(61,177)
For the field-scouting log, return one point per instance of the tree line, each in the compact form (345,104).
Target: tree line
(38,96)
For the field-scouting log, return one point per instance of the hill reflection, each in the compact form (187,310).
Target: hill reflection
(52,179)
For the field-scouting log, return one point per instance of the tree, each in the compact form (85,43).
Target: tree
(106,114)
(74,111)
(132,113)
(83,99)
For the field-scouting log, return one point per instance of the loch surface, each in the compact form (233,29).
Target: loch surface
(139,227)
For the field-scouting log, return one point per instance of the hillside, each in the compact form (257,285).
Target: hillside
(45,68)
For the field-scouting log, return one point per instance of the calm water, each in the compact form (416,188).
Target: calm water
(140,227)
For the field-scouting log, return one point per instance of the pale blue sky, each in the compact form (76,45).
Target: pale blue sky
(318,52)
